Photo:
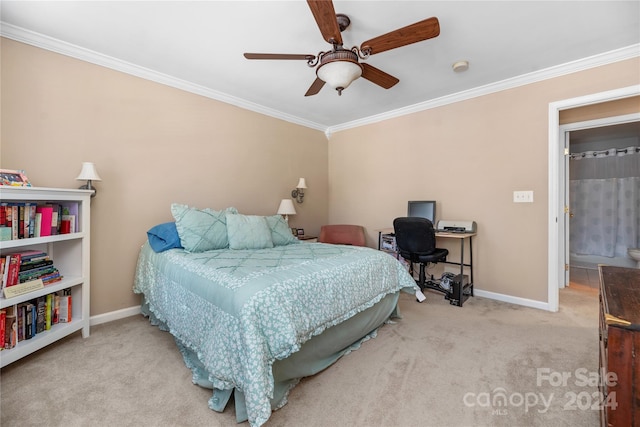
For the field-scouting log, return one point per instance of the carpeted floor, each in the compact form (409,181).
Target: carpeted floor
(438,366)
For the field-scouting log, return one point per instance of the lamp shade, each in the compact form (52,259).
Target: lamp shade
(88,172)
(286,207)
(302,183)
(339,68)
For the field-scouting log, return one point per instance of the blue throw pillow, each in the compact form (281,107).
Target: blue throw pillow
(164,236)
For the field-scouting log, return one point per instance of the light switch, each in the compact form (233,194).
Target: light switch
(523,197)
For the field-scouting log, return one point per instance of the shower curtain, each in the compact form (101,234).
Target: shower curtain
(604,197)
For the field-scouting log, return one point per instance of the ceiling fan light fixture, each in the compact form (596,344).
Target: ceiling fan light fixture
(339,69)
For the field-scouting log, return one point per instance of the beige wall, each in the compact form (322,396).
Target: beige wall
(619,107)
(469,156)
(152,145)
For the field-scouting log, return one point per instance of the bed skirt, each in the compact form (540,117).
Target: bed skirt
(315,355)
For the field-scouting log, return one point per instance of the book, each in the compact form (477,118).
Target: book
(3,316)
(11,327)
(5,233)
(34,319)
(55,316)
(21,221)
(31,254)
(65,309)
(37,225)
(70,211)
(46,212)
(9,217)
(48,312)
(41,306)
(15,222)
(21,321)
(71,220)
(29,329)
(56,217)
(36,271)
(32,219)
(5,274)
(26,266)
(13,270)
(3,261)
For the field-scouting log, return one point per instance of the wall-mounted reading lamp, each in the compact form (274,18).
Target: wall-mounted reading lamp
(89,173)
(298,193)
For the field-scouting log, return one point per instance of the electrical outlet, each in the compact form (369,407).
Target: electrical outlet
(523,197)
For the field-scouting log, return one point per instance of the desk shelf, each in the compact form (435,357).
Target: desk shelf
(457,296)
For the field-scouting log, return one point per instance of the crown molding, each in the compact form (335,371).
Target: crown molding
(49,43)
(610,57)
(54,45)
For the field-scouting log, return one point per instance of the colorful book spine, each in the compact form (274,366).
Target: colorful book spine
(13,270)
(15,223)
(46,212)
(41,308)
(3,320)
(21,321)
(48,312)
(32,220)
(11,327)
(70,213)
(29,329)
(65,309)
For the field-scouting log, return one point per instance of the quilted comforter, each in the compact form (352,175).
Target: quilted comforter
(241,310)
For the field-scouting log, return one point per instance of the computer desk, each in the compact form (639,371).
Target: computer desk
(460,296)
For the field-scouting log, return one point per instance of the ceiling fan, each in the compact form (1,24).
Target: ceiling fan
(339,67)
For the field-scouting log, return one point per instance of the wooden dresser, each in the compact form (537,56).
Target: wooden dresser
(620,346)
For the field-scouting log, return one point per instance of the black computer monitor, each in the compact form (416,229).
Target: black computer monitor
(423,209)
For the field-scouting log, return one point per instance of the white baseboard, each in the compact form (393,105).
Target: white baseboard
(132,311)
(511,299)
(114,315)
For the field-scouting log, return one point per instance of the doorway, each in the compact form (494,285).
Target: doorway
(601,191)
(558,216)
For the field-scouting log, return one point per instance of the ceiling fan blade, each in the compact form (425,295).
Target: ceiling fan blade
(325,16)
(279,56)
(413,33)
(315,87)
(377,76)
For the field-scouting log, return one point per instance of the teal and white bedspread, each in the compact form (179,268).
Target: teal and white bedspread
(241,310)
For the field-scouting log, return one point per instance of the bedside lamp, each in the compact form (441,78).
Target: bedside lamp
(286,208)
(89,173)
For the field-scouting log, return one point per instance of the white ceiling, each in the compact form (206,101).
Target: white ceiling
(198,46)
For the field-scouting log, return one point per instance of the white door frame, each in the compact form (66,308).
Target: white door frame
(564,180)
(556,227)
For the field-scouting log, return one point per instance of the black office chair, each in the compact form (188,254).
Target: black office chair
(416,242)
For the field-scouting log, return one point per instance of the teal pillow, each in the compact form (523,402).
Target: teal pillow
(248,232)
(201,229)
(280,231)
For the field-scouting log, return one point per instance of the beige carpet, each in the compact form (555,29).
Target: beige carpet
(439,366)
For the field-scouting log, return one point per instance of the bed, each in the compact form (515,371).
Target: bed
(252,319)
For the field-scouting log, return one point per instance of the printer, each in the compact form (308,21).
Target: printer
(457,226)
